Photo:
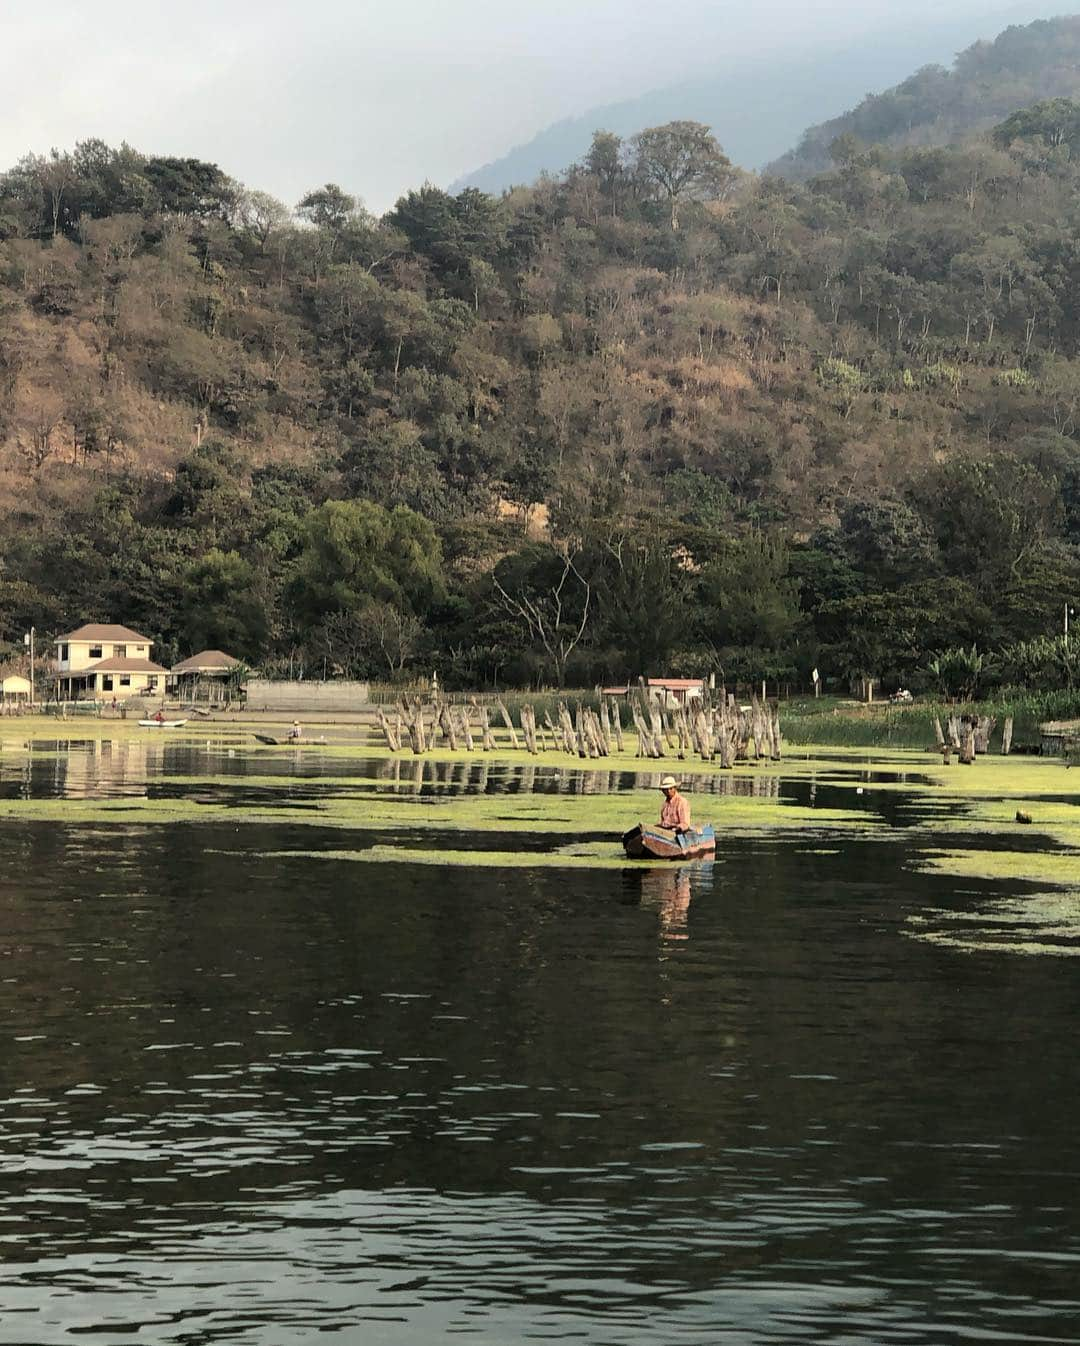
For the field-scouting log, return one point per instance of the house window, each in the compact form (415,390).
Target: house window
(125,681)
(95,651)
(64,654)
(140,649)
(151,684)
(106,683)
(119,651)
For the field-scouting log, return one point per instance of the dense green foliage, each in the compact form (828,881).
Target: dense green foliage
(652,416)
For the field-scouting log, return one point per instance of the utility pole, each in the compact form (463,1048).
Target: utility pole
(28,641)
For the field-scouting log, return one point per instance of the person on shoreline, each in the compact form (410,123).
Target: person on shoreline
(675,814)
(295,732)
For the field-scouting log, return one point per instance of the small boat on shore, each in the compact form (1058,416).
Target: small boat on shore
(161,724)
(647,842)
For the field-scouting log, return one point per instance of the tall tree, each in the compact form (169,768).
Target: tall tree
(682,160)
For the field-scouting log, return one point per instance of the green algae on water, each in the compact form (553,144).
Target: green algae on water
(959,821)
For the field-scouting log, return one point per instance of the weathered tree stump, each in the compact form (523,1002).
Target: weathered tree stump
(616,724)
(983,727)
(392,740)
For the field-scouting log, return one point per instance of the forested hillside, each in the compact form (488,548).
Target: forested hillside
(935,106)
(652,416)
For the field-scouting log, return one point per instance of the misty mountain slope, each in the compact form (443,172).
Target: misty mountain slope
(757,110)
(936,106)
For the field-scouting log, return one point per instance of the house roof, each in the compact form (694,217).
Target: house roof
(103,631)
(207,661)
(677,684)
(123,666)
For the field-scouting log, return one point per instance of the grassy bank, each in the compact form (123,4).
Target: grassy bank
(835,723)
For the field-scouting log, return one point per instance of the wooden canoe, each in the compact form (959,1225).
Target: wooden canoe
(647,842)
(161,724)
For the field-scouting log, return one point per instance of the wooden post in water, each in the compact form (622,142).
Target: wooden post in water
(579,733)
(569,742)
(485,725)
(392,742)
(528,728)
(414,723)
(616,724)
(1006,736)
(967,742)
(446,724)
(656,720)
(702,742)
(758,714)
(509,724)
(466,730)
(984,727)
(683,731)
(644,738)
(939,733)
(649,734)
(605,724)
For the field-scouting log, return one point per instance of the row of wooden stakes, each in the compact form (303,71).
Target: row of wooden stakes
(969,737)
(723,732)
(424,725)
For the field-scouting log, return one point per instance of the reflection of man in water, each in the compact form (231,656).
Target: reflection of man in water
(669,894)
(675,813)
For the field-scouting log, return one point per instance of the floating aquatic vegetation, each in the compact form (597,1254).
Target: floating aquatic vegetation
(1035,923)
(556,810)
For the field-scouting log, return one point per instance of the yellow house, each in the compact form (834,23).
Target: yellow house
(99,660)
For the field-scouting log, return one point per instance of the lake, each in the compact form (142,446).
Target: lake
(257,1091)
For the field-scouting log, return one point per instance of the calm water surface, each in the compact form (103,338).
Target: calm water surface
(264,1099)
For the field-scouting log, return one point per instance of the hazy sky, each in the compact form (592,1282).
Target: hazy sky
(287,94)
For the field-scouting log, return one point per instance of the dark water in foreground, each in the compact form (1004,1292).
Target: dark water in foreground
(280,1100)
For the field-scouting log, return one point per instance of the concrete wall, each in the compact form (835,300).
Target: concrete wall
(309,698)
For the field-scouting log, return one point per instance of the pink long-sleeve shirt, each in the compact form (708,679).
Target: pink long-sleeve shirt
(675,813)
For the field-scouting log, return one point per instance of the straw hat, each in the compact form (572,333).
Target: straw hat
(669,783)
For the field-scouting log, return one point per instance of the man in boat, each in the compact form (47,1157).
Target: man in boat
(675,813)
(160,717)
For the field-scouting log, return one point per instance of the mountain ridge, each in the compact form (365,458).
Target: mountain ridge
(799,91)
(936,105)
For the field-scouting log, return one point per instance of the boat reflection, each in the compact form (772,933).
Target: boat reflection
(668,891)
